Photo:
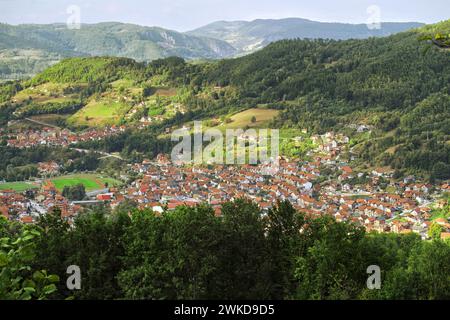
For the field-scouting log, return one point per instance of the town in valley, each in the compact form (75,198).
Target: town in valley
(325,183)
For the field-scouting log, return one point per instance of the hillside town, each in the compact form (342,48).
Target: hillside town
(59,137)
(325,184)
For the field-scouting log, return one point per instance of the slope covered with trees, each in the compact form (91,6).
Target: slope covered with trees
(387,83)
(190,253)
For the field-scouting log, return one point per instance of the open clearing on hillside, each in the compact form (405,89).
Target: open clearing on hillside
(100,113)
(240,120)
(52,119)
(17,186)
(43,93)
(166,92)
(244,119)
(126,85)
(90,181)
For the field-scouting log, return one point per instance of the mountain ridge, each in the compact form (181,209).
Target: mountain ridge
(102,39)
(27,49)
(249,36)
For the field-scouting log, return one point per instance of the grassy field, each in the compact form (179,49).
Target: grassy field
(240,120)
(291,133)
(127,85)
(53,119)
(90,181)
(166,92)
(244,118)
(47,92)
(17,186)
(122,83)
(100,113)
(440,214)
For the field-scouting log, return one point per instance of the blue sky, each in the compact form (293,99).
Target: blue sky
(183,15)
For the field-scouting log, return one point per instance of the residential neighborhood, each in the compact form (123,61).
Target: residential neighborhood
(59,137)
(323,185)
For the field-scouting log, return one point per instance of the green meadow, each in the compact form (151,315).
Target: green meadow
(90,181)
(17,186)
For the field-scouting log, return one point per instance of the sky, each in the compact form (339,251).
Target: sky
(184,15)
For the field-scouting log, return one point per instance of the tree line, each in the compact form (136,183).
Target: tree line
(243,253)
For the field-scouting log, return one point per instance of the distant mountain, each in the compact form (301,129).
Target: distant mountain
(28,49)
(250,36)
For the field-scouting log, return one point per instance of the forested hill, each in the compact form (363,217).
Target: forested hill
(392,72)
(398,86)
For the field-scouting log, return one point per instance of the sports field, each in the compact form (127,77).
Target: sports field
(17,186)
(90,181)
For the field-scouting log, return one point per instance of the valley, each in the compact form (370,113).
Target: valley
(358,176)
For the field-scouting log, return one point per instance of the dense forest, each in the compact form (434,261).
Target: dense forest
(191,253)
(388,83)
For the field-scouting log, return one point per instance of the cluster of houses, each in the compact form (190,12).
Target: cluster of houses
(166,185)
(375,201)
(56,137)
(50,168)
(28,207)
(405,208)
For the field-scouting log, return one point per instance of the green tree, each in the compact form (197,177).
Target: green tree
(97,247)
(285,245)
(74,193)
(332,267)
(248,265)
(53,247)
(435,230)
(172,256)
(18,280)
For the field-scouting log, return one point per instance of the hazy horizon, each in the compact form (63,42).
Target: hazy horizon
(157,26)
(183,15)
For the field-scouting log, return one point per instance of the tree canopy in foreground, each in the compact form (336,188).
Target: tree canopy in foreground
(191,253)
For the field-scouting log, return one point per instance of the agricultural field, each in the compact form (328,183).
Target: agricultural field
(163,105)
(166,92)
(160,103)
(244,119)
(241,120)
(18,186)
(18,125)
(52,119)
(47,92)
(90,181)
(100,113)
(127,87)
